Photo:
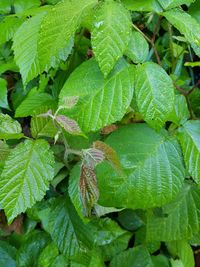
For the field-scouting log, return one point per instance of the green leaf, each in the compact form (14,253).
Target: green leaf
(33,102)
(180,113)
(186,24)
(138,48)
(57,31)
(100,102)
(47,256)
(110,34)
(8,27)
(9,128)
(130,220)
(110,238)
(60,261)
(179,220)
(29,252)
(7,255)
(5,6)
(160,260)
(25,177)
(3,94)
(183,251)
(66,228)
(167,4)
(194,10)
(153,166)
(21,5)
(25,45)
(142,5)
(154,94)
(41,126)
(4,152)
(189,136)
(133,257)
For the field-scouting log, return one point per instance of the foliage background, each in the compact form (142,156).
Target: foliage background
(99,133)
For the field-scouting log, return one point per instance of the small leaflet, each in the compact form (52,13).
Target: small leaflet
(88,189)
(92,157)
(110,155)
(70,126)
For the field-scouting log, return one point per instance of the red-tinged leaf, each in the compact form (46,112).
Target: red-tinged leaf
(88,189)
(92,157)
(70,126)
(110,155)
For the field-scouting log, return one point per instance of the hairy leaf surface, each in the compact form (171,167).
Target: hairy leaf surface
(189,136)
(101,102)
(153,166)
(25,177)
(154,94)
(110,35)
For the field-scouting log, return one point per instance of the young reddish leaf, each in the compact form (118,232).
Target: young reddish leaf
(110,155)
(92,157)
(70,126)
(88,189)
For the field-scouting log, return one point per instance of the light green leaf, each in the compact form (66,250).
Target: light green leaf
(110,35)
(100,102)
(189,136)
(154,94)
(89,259)
(57,31)
(176,263)
(142,5)
(25,47)
(5,6)
(21,5)
(179,220)
(9,128)
(167,4)
(8,27)
(3,94)
(41,126)
(138,48)
(153,166)
(192,64)
(33,102)
(133,257)
(25,177)
(66,228)
(183,251)
(186,24)
(29,252)
(4,152)
(180,113)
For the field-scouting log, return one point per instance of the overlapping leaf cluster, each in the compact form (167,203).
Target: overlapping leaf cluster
(99,133)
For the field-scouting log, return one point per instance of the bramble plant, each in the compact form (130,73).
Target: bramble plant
(99,133)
